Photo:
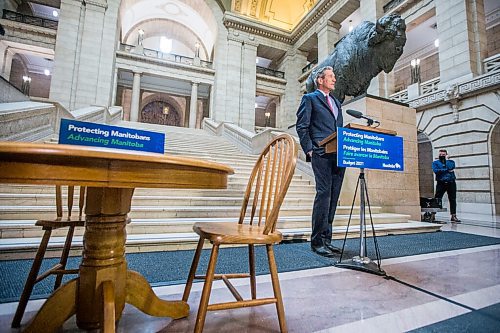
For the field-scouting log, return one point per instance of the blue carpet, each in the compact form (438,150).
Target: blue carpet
(484,320)
(172,267)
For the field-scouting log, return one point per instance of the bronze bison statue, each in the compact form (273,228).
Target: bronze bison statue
(362,54)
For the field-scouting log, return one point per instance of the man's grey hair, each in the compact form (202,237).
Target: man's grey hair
(320,73)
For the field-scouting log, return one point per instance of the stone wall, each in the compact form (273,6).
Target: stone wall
(493,37)
(396,192)
(429,69)
(467,135)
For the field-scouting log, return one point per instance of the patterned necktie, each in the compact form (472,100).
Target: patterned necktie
(332,109)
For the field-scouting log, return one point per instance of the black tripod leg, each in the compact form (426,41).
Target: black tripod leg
(377,251)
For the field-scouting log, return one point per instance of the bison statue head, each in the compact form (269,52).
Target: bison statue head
(362,54)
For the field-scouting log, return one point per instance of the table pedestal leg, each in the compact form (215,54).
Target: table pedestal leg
(58,308)
(98,296)
(140,295)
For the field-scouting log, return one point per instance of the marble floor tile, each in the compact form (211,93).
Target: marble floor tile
(337,300)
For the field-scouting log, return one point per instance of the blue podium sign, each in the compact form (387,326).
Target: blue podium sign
(82,133)
(369,150)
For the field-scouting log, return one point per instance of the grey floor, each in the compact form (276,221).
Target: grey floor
(435,287)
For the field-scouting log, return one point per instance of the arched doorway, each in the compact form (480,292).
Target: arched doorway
(160,112)
(495,166)
(425,159)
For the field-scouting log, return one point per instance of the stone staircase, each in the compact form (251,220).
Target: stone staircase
(162,219)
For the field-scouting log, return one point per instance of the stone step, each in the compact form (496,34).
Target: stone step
(28,199)
(48,212)
(19,248)
(31,190)
(27,228)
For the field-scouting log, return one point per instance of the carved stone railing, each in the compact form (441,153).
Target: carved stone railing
(492,64)
(455,92)
(309,66)
(245,140)
(28,19)
(254,143)
(165,56)
(400,96)
(430,86)
(270,72)
(39,118)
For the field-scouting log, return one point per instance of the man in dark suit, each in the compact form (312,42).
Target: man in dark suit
(318,116)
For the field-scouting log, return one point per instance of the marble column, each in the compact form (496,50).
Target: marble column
(193,104)
(462,39)
(136,94)
(328,35)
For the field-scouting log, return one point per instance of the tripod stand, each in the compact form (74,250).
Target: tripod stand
(362,262)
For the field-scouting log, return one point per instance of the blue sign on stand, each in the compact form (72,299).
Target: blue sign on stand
(82,133)
(369,150)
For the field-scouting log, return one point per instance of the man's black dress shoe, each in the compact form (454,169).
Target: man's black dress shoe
(332,248)
(323,251)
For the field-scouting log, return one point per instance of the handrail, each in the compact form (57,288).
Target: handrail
(28,19)
(270,72)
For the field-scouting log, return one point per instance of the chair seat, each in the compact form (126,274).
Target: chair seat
(235,233)
(61,222)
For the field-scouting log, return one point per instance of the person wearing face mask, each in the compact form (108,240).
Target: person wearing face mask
(445,178)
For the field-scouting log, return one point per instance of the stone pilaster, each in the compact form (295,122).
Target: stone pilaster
(292,65)
(372,10)
(64,72)
(233,80)
(136,96)
(462,39)
(193,105)
(85,53)
(241,80)
(248,87)
(6,64)
(328,35)
(115,87)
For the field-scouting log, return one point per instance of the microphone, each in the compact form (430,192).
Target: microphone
(357,114)
(354,113)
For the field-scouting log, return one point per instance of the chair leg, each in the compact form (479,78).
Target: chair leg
(192,271)
(276,287)
(251,260)
(64,256)
(207,288)
(31,280)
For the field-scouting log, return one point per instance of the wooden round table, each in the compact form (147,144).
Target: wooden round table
(98,295)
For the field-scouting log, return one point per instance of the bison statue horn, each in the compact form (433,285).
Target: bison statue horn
(362,54)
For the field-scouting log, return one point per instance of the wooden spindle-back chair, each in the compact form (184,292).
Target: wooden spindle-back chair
(59,269)
(265,192)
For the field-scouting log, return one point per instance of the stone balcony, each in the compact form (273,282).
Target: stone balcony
(428,93)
